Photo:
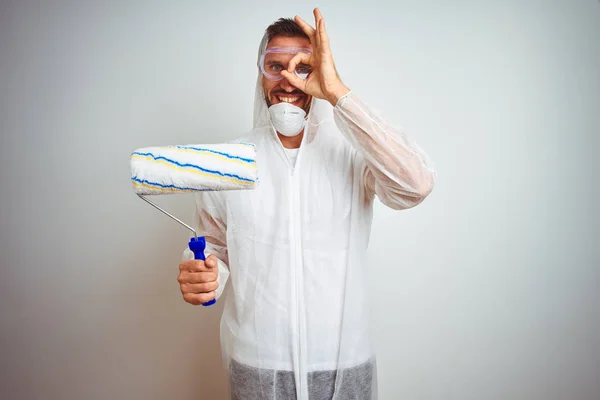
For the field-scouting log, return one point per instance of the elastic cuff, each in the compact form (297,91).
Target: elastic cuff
(222,278)
(342,98)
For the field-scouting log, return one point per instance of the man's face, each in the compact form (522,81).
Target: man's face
(283,91)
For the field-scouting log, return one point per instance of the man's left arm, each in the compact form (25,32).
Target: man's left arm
(398,171)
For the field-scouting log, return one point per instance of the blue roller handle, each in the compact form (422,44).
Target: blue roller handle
(197,246)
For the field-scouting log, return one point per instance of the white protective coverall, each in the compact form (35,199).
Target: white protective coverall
(292,252)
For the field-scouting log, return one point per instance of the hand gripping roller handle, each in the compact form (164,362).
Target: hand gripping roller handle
(196,244)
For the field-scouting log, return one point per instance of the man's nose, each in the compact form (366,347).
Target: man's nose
(286,85)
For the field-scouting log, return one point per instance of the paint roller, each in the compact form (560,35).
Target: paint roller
(193,168)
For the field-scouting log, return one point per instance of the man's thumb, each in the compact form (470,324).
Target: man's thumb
(211,261)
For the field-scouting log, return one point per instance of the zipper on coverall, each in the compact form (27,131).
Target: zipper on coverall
(297,278)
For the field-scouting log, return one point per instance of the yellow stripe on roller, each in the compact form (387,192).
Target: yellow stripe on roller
(159,188)
(192,170)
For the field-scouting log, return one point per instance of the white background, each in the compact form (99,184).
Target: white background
(488,290)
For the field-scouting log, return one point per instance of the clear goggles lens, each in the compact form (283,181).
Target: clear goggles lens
(276,59)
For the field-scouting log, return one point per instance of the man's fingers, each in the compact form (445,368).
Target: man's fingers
(297,59)
(198,280)
(197,299)
(201,277)
(323,38)
(197,265)
(305,26)
(295,80)
(197,277)
(197,288)
(318,18)
(317,13)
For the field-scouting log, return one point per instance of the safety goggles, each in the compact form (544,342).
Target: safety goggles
(276,59)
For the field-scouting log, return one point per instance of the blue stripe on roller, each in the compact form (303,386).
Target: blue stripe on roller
(192,166)
(248,160)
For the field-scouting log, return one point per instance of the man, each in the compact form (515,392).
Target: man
(293,251)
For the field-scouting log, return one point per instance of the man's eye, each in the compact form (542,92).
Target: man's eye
(303,69)
(276,67)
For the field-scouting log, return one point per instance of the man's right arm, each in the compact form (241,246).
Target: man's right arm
(203,281)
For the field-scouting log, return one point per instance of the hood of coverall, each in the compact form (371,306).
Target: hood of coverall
(320,110)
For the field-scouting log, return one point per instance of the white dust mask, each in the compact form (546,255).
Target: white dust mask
(287,118)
